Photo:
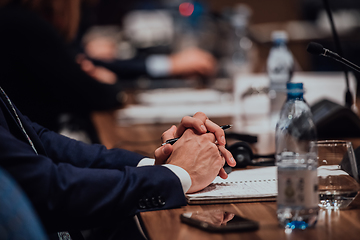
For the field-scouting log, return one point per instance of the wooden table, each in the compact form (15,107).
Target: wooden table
(166,224)
(339,224)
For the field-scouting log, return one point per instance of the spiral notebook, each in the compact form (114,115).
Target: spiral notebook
(259,184)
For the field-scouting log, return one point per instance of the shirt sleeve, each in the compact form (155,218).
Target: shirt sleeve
(146,162)
(181,173)
(158,65)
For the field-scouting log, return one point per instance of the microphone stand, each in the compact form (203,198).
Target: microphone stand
(348,97)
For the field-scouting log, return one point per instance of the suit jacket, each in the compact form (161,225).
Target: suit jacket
(35,57)
(73,185)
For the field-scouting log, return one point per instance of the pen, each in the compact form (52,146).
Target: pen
(173,140)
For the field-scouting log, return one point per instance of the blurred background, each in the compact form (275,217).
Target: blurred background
(164,26)
(239,37)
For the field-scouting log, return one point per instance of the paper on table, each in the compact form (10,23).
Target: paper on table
(245,185)
(333,170)
(176,96)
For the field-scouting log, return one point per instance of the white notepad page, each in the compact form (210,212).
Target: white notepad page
(259,182)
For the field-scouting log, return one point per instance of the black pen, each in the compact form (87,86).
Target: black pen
(173,140)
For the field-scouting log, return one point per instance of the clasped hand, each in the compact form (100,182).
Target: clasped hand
(200,150)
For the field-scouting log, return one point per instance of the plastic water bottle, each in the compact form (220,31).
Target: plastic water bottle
(280,67)
(238,50)
(296,159)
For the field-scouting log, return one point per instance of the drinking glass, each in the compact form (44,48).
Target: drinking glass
(337,174)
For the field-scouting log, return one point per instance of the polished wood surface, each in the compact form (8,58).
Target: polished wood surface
(166,224)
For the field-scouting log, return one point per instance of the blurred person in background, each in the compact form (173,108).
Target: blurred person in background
(40,74)
(147,29)
(100,45)
(59,92)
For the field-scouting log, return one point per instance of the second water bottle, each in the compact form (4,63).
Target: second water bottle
(296,159)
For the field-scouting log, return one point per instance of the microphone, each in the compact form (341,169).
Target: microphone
(329,116)
(318,49)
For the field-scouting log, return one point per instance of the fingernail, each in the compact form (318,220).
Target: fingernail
(203,128)
(222,139)
(232,160)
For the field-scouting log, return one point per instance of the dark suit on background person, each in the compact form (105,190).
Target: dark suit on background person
(35,56)
(73,185)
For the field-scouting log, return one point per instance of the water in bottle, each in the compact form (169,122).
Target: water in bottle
(296,159)
(280,67)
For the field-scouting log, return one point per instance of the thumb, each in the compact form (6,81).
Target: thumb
(162,154)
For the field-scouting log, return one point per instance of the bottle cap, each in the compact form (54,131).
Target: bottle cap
(295,89)
(279,35)
(293,85)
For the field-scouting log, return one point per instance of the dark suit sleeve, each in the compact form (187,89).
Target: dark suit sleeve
(62,149)
(125,69)
(68,197)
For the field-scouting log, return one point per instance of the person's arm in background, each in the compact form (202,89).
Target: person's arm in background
(186,63)
(193,61)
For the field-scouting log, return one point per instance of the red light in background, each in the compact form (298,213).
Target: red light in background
(186,9)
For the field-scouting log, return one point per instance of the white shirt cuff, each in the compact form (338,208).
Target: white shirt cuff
(182,175)
(158,65)
(146,162)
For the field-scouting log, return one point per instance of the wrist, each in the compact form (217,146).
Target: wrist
(182,174)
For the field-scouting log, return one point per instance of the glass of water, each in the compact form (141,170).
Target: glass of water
(337,174)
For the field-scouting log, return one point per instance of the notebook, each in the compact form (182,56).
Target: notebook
(259,184)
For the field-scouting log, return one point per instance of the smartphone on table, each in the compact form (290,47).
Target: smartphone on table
(218,221)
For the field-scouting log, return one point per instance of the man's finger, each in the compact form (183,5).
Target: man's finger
(228,156)
(223,174)
(197,122)
(168,134)
(215,129)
